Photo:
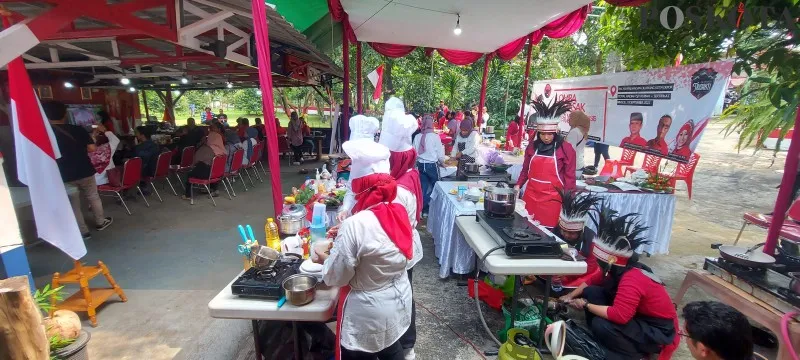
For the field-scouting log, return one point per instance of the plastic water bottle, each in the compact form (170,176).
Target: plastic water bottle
(273,236)
(556,284)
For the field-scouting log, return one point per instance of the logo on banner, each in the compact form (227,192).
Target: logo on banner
(547,91)
(613,90)
(702,82)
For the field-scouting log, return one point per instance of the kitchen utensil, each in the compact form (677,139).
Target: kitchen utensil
(472,168)
(281,302)
(794,284)
(499,200)
(555,337)
(294,210)
(289,225)
(266,258)
(309,267)
(300,289)
(790,248)
(241,232)
(250,233)
(745,256)
(499,168)
(244,250)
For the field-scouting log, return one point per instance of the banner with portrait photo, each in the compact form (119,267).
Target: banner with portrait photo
(661,112)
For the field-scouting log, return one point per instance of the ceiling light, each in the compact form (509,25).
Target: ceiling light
(457,30)
(258,92)
(230,85)
(184,80)
(132,89)
(68,85)
(125,81)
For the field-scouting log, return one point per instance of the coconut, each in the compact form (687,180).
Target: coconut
(64,323)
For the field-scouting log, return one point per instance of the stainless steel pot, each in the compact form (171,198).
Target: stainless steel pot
(292,219)
(300,289)
(472,168)
(489,129)
(745,256)
(265,258)
(499,200)
(794,284)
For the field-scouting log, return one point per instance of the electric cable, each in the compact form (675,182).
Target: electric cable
(478,300)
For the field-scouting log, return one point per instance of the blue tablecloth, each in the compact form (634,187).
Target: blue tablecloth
(451,248)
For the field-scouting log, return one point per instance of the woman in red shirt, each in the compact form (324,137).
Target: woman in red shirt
(513,135)
(630,313)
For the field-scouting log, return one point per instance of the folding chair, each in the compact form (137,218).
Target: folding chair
(627,158)
(216,174)
(131,176)
(187,159)
(790,229)
(161,173)
(252,165)
(650,165)
(685,172)
(236,166)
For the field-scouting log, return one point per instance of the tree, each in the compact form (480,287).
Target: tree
(247,100)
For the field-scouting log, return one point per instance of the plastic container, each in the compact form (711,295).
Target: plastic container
(273,236)
(318,214)
(490,295)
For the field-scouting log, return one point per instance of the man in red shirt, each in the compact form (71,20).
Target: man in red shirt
(659,143)
(630,313)
(634,138)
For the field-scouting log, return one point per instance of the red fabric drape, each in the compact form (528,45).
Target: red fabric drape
(486,61)
(627,2)
(567,24)
(392,50)
(512,49)
(261,29)
(459,57)
(536,36)
(359,81)
(518,140)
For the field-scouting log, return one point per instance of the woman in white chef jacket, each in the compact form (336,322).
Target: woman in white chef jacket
(361,127)
(368,260)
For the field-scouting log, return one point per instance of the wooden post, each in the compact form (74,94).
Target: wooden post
(22,334)
(146,109)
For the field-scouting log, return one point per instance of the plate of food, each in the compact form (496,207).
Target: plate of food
(597,189)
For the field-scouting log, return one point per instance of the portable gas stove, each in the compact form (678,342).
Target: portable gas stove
(520,237)
(764,284)
(265,284)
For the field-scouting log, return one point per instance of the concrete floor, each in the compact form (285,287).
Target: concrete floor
(172,258)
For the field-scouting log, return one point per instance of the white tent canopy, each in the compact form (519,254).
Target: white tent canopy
(486,25)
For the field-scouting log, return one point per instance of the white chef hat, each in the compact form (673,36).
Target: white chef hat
(363,127)
(397,130)
(394,103)
(367,156)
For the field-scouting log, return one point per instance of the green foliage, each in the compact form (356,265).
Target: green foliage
(42,297)
(247,100)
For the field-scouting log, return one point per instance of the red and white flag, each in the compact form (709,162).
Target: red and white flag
(376,78)
(37,152)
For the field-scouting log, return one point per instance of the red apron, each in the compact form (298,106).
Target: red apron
(541,197)
(344,291)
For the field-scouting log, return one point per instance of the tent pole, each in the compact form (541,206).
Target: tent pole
(518,141)
(359,80)
(170,103)
(261,31)
(345,85)
(487,59)
(785,192)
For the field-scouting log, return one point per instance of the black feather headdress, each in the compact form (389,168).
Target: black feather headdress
(575,205)
(618,236)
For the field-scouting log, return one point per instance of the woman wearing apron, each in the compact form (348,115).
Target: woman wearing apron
(466,141)
(368,260)
(549,165)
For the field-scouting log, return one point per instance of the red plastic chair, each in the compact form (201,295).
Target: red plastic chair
(236,165)
(650,165)
(131,176)
(628,157)
(216,174)
(252,165)
(790,229)
(162,173)
(187,159)
(283,148)
(685,173)
(260,159)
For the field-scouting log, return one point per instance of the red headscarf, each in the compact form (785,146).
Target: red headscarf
(402,167)
(375,193)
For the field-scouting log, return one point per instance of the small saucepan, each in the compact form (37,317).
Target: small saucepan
(300,289)
(794,284)
(746,256)
(472,168)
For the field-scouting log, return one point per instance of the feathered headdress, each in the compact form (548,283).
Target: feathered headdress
(618,236)
(547,116)
(575,207)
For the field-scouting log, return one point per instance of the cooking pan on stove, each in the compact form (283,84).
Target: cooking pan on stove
(745,256)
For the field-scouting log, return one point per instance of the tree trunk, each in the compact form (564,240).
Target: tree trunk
(22,334)
(284,102)
(388,90)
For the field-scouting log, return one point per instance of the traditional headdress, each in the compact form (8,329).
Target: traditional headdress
(547,116)
(617,237)
(575,207)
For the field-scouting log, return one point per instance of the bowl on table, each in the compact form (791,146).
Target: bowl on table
(499,168)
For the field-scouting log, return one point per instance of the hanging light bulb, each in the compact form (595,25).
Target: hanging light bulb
(230,85)
(68,85)
(258,92)
(132,89)
(457,30)
(184,80)
(125,81)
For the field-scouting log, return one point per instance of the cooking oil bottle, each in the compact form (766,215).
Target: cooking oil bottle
(273,236)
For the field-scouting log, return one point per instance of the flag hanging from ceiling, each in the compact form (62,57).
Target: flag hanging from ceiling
(37,152)
(376,78)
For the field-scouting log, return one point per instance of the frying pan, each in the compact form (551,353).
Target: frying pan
(745,256)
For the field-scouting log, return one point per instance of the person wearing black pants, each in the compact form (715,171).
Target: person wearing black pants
(600,149)
(213,146)
(200,170)
(393,352)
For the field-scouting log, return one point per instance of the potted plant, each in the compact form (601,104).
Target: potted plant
(67,339)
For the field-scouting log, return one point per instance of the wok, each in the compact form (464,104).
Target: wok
(745,256)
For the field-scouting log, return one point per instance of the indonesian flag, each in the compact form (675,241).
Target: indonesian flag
(37,152)
(376,78)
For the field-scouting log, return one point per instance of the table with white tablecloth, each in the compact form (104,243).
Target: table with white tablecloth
(451,248)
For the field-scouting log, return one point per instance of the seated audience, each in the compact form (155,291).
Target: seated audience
(213,145)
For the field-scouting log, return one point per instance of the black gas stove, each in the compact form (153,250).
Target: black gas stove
(765,284)
(519,236)
(265,284)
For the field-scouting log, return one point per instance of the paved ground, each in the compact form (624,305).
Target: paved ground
(172,258)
